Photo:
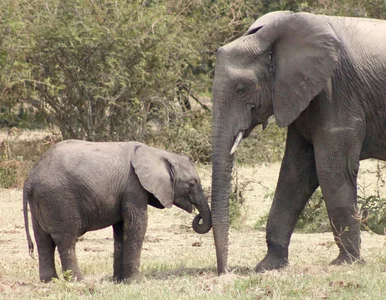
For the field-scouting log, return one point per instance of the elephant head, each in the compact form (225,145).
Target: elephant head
(172,179)
(276,68)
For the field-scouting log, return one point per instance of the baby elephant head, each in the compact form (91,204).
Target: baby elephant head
(172,179)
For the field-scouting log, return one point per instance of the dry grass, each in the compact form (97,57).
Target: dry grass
(180,264)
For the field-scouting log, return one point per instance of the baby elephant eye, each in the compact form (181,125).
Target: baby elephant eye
(192,183)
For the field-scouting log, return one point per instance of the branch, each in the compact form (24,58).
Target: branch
(205,107)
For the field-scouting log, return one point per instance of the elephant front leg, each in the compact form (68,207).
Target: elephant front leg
(297,181)
(134,224)
(337,172)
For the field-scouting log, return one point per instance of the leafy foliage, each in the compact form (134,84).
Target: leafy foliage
(189,134)
(263,146)
(373,214)
(117,70)
(237,200)
(105,70)
(372,208)
(313,219)
(114,70)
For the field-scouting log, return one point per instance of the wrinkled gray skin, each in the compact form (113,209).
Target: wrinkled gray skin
(80,186)
(323,77)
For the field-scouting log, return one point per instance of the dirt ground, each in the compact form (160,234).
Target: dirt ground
(169,233)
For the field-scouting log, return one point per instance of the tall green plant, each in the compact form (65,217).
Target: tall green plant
(104,70)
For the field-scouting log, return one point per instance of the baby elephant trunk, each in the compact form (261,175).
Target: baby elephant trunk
(202,223)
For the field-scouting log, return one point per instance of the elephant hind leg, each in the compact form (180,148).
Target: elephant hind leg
(66,248)
(118,251)
(338,165)
(46,252)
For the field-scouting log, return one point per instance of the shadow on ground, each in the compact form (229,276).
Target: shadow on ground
(183,272)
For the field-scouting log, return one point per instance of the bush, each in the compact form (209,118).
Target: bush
(13,173)
(263,146)
(104,71)
(8,173)
(373,214)
(313,219)
(189,135)
(237,201)
(18,154)
(372,209)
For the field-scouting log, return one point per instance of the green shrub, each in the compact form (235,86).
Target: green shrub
(13,173)
(8,174)
(263,146)
(237,201)
(189,135)
(372,208)
(261,222)
(373,214)
(17,158)
(235,211)
(313,219)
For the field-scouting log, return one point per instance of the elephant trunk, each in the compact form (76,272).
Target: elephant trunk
(221,184)
(202,223)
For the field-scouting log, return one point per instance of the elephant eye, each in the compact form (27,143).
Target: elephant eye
(241,88)
(192,183)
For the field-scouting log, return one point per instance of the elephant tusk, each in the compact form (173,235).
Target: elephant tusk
(237,142)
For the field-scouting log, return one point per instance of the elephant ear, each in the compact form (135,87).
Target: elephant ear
(305,52)
(155,173)
(266,19)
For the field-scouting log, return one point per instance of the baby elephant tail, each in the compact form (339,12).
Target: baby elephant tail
(26,194)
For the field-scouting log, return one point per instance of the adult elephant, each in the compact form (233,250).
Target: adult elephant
(325,78)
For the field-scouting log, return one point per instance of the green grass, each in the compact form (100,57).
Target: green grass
(178,282)
(179,264)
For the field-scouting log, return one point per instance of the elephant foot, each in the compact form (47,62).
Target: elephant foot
(271,262)
(276,258)
(136,277)
(71,276)
(49,278)
(346,258)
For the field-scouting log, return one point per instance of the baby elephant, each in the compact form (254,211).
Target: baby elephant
(79,186)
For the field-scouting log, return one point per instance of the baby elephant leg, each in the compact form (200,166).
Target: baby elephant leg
(46,252)
(66,248)
(134,229)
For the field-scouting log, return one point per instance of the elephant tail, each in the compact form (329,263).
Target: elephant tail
(26,193)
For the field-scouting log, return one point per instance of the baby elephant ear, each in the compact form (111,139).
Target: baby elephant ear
(155,173)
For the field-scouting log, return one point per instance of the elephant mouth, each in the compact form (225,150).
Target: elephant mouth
(185,205)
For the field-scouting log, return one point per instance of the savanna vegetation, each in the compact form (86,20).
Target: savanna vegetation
(142,70)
